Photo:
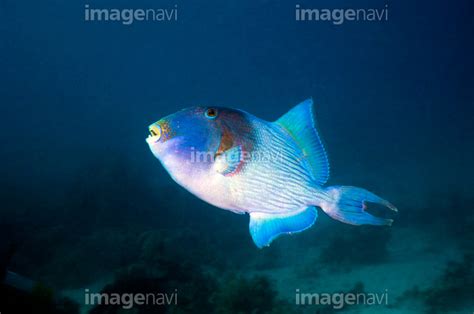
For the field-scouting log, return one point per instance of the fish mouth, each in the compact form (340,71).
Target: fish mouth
(154,133)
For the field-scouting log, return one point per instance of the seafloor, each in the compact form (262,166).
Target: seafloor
(112,234)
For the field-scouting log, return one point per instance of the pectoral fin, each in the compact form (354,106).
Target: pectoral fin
(264,228)
(229,162)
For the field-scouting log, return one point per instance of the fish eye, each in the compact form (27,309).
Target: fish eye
(211,113)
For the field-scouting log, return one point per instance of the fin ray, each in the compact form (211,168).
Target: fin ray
(300,123)
(264,227)
(228,162)
(349,205)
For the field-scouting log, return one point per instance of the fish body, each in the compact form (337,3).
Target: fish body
(274,171)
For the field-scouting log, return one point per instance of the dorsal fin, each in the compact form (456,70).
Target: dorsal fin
(300,123)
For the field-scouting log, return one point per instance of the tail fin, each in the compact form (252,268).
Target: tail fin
(348,204)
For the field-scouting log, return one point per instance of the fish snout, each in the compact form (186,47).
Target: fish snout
(154,133)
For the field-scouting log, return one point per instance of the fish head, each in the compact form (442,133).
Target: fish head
(187,141)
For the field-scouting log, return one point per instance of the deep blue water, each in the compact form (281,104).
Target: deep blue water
(85,203)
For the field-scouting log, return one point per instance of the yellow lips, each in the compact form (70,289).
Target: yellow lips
(155,132)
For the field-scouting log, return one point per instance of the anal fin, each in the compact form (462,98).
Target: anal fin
(264,227)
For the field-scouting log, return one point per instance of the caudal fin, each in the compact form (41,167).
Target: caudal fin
(348,204)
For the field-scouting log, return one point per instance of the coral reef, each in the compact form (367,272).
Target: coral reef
(40,301)
(240,295)
(354,246)
(196,290)
(452,291)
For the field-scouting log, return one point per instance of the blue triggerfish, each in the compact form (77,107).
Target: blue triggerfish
(273,171)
